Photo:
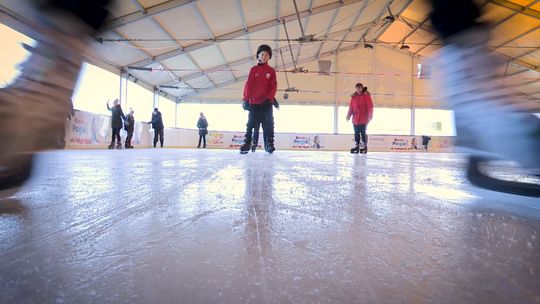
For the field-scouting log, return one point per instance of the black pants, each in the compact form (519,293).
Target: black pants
(360,130)
(158,133)
(129,137)
(116,134)
(203,138)
(260,113)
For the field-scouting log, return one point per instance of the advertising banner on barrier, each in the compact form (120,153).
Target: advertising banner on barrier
(306,142)
(236,140)
(87,130)
(216,139)
(90,130)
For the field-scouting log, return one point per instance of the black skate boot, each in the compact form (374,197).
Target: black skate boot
(244,149)
(363,150)
(355,149)
(254,147)
(111,146)
(270,147)
(119,146)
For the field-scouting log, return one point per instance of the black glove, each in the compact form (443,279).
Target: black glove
(275,103)
(245,105)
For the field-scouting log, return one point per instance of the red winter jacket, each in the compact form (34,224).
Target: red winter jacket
(361,109)
(261,84)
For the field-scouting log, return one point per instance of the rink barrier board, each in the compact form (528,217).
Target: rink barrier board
(92,131)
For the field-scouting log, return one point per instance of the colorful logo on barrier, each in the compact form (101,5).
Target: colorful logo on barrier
(215,139)
(400,144)
(237,141)
(301,142)
(79,132)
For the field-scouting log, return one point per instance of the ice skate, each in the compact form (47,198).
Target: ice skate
(34,107)
(355,149)
(485,112)
(254,147)
(119,146)
(270,148)
(244,149)
(14,174)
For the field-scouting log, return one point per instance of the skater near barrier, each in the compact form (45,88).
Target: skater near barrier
(259,95)
(361,110)
(116,123)
(425,142)
(202,125)
(483,108)
(157,125)
(129,126)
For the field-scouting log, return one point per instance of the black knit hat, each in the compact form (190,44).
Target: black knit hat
(264,48)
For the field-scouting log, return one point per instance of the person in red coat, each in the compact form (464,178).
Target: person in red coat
(361,109)
(259,94)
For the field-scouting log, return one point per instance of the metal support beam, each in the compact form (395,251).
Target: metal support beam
(242,32)
(151,11)
(205,24)
(336,12)
(416,28)
(364,5)
(141,8)
(534,29)
(123,96)
(517,8)
(242,15)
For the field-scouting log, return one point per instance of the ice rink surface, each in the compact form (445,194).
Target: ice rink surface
(214,226)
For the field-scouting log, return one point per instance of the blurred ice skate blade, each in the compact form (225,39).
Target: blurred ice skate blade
(511,171)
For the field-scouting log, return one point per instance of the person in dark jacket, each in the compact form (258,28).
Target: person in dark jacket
(202,124)
(361,110)
(259,93)
(116,123)
(425,141)
(157,125)
(129,126)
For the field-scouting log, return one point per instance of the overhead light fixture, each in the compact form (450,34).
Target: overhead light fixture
(140,68)
(404,47)
(390,18)
(367,45)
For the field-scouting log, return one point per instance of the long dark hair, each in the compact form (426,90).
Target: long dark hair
(364,89)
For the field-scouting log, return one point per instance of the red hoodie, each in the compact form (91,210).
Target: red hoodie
(361,109)
(261,84)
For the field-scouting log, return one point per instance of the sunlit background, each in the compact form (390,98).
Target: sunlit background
(96,86)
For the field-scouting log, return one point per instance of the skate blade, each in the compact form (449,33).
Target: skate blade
(8,193)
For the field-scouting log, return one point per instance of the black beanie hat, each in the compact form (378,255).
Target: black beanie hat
(264,48)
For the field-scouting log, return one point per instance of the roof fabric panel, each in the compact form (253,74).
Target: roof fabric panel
(224,20)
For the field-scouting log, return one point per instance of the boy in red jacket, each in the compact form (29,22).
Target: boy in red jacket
(259,93)
(361,109)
